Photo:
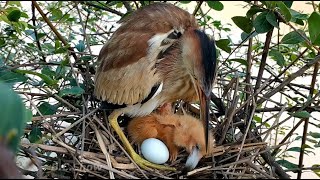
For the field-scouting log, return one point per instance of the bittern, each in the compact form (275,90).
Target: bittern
(158,55)
(176,131)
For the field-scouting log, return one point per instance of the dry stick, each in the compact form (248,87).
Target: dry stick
(288,23)
(98,164)
(305,129)
(62,114)
(230,113)
(103,148)
(102,8)
(115,140)
(306,104)
(289,79)
(197,8)
(36,32)
(259,170)
(263,60)
(75,123)
(247,130)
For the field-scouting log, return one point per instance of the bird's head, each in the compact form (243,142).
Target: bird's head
(199,58)
(189,134)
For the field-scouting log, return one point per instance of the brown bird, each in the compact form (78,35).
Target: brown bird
(176,131)
(158,55)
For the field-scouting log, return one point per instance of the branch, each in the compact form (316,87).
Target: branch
(102,8)
(289,79)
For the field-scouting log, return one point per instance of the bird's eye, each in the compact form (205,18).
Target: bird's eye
(197,146)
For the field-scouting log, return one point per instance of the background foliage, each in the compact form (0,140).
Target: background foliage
(48,55)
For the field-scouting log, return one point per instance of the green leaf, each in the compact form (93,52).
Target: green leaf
(241,61)
(316,171)
(276,55)
(86,58)
(261,23)
(47,109)
(216,5)
(287,164)
(224,45)
(295,149)
(292,38)
(246,36)
(243,23)
(253,10)
(12,77)
(272,19)
(313,26)
(284,11)
(185,2)
(257,119)
(35,135)
(71,91)
(288,3)
(80,46)
(13,117)
(48,80)
(314,135)
(301,114)
(2,42)
(14,15)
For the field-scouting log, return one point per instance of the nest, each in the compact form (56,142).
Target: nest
(101,154)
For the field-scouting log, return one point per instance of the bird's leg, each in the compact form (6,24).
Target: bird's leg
(139,160)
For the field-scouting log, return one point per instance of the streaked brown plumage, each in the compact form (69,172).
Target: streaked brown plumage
(158,55)
(176,131)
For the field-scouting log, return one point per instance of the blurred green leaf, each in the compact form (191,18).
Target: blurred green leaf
(301,114)
(292,38)
(216,5)
(243,23)
(14,15)
(288,3)
(11,77)
(241,61)
(13,117)
(261,23)
(71,91)
(313,26)
(314,134)
(224,45)
(284,11)
(316,171)
(80,46)
(295,149)
(276,55)
(287,164)
(86,58)
(185,2)
(272,19)
(47,109)
(35,135)
(253,10)
(48,80)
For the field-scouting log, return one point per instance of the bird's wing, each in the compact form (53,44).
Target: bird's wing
(127,70)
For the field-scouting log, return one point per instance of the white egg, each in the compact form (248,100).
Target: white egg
(155,151)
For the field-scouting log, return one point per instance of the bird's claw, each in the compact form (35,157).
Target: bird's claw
(147,165)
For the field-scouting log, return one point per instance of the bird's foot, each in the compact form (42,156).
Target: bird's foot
(147,165)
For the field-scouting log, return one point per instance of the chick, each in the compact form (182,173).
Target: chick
(176,131)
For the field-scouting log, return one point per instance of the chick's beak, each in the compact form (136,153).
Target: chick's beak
(193,159)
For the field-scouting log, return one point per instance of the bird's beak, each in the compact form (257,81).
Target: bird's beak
(193,159)
(204,96)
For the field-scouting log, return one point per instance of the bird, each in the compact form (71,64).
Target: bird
(157,55)
(176,131)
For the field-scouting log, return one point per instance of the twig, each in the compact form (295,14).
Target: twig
(306,121)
